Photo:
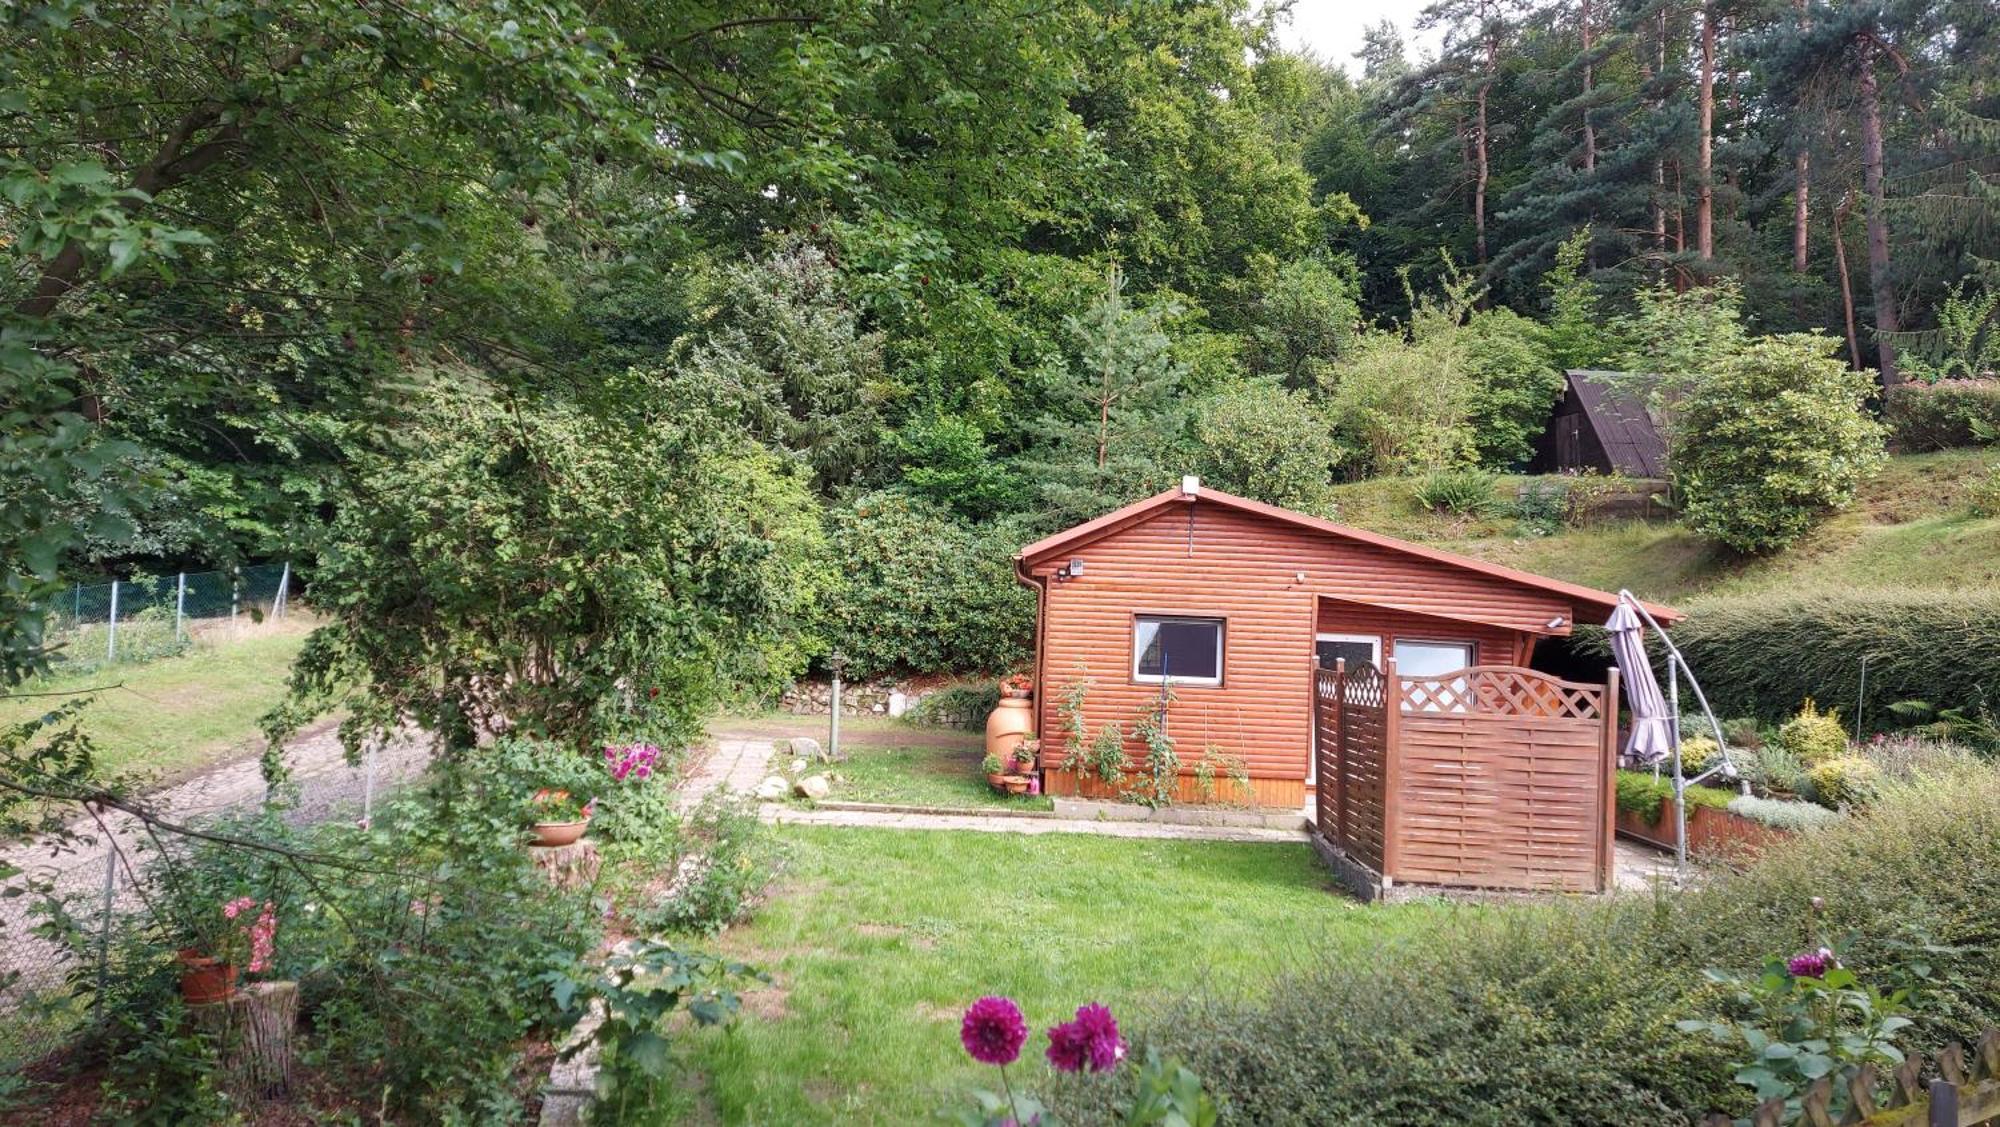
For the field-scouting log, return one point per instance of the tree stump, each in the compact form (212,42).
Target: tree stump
(567,866)
(255,1029)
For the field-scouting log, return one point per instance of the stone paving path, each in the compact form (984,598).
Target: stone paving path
(739,764)
(979,823)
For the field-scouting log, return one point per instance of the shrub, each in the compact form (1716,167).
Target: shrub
(921,591)
(1773,437)
(963,704)
(727,858)
(1942,415)
(1463,492)
(1698,754)
(1812,736)
(633,810)
(1403,406)
(1982,493)
(1772,769)
(1781,814)
(1849,780)
(1515,384)
(1762,655)
(1641,794)
(1269,444)
(1907,756)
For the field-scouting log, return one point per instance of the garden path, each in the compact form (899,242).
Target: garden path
(982,823)
(739,764)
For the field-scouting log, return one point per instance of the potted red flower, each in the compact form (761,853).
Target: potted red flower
(557,817)
(1016,687)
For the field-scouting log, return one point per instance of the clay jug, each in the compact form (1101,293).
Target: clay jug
(1009,724)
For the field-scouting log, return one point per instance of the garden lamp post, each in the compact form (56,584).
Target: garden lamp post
(835,662)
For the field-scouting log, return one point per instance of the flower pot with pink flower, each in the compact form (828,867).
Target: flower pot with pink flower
(209,970)
(558,817)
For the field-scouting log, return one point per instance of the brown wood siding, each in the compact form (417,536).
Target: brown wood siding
(1265,579)
(1289,794)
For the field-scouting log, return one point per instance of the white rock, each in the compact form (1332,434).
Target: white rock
(799,767)
(807,749)
(899,702)
(772,787)
(814,786)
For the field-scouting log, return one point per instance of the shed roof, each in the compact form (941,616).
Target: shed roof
(1614,404)
(1119,519)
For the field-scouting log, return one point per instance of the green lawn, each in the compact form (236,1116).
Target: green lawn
(923,776)
(175,715)
(878,939)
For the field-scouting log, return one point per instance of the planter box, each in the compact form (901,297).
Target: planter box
(1712,831)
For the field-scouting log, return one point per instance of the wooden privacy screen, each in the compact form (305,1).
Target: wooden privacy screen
(1351,728)
(1491,777)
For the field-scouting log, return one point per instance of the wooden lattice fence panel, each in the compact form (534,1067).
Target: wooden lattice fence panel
(1362,743)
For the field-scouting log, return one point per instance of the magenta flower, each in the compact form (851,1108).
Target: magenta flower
(1091,1041)
(1812,964)
(994,1031)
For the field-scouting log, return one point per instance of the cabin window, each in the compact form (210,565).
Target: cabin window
(1432,660)
(1182,651)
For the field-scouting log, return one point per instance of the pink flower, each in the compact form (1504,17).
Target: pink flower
(263,938)
(237,907)
(994,1031)
(1812,964)
(1091,1041)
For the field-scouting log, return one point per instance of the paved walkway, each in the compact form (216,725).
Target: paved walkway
(886,820)
(739,764)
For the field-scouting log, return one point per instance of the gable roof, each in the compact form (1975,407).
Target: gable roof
(1614,404)
(1119,519)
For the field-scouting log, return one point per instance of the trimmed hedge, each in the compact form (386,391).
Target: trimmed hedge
(1940,415)
(1762,656)
(1564,1013)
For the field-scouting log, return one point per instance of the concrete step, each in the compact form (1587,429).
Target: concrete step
(1097,810)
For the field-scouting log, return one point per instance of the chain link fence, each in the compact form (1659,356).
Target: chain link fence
(151,616)
(67,909)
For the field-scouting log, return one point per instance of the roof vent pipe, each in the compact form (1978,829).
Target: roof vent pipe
(1190,486)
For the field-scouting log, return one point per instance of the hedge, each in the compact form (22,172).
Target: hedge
(1764,655)
(1939,416)
(1565,1013)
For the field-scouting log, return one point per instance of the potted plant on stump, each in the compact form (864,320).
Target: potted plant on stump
(210,967)
(557,817)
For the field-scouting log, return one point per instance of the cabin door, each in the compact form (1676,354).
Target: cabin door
(1569,442)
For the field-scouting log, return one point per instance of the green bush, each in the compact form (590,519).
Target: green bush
(1782,814)
(1641,794)
(1772,769)
(964,704)
(1463,492)
(1942,415)
(1762,655)
(1698,754)
(1982,493)
(1848,780)
(1263,442)
(1771,439)
(921,591)
(1565,1012)
(727,858)
(1812,736)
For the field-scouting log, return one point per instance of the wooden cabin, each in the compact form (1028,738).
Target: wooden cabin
(1602,423)
(1266,623)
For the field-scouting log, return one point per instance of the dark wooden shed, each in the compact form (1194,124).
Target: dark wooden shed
(1602,423)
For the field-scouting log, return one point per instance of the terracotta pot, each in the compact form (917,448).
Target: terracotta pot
(1008,692)
(205,981)
(560,833)
(1008,724)
(1017,784)
(997,781)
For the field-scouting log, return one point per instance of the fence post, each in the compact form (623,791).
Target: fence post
(104,926)
(284,583)
(1607,791)
(368,790)
(1392,769)
(111,635)
(235,593)
(1944,1103)
(180,602)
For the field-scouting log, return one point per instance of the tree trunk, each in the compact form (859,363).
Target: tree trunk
(1878,219)
(1801,183)
(1846,282)
(1704,221)
(1589,77)
(1481,171)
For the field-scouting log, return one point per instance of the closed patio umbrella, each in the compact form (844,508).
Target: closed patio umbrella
(1651,739)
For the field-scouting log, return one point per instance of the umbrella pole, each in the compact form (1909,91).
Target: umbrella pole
(1680,782)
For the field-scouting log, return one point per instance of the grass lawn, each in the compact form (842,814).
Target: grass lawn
(923,776)
(878,939)
(175,715)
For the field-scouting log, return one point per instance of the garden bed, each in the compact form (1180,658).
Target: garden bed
(1712,831)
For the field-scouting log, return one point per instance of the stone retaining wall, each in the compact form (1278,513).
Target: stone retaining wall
(885,698)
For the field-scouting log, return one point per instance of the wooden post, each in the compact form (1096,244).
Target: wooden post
(1339,758)
(1392,768)
(1944,1103)
(1607,852)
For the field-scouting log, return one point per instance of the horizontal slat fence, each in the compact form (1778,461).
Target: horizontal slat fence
(1492,777)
